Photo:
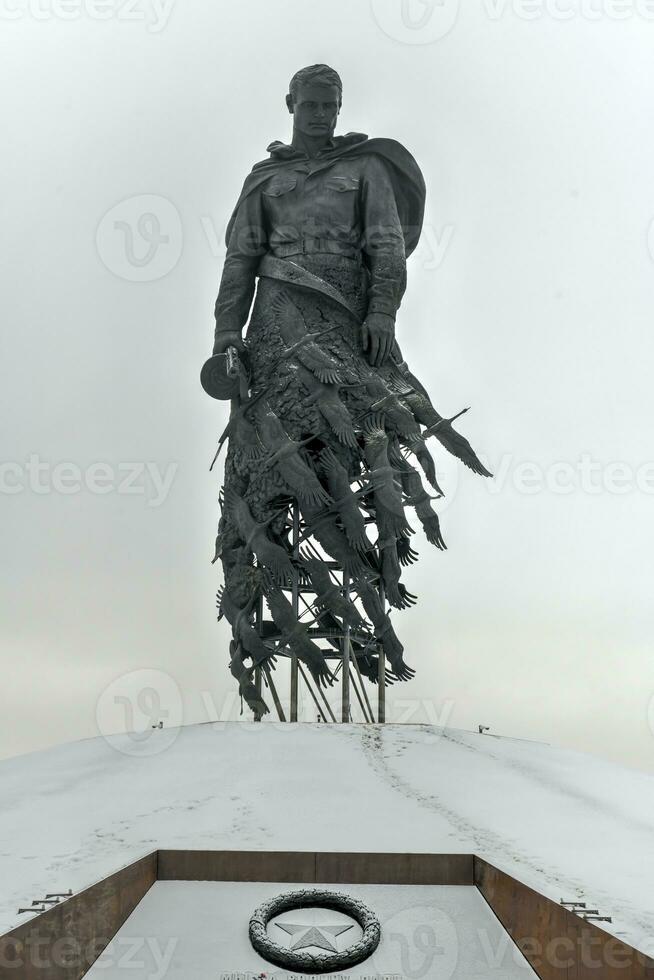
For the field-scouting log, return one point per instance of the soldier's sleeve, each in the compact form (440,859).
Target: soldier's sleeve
(383,239)
(247,243)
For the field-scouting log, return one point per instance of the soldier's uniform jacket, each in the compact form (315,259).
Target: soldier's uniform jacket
(345,202)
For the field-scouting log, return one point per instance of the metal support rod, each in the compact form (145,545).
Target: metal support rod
(258,618)
(257,685)
(369,716)
(315,700)
(327,704)
(355,687)
(295,604)
(381,668)
(273,691)
(345,676)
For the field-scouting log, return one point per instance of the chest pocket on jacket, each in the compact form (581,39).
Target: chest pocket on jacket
(280,184)
(342,184)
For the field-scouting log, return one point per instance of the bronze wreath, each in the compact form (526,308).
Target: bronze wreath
(314,962)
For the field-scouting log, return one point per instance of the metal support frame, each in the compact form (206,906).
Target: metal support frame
(275,695)
(381,670)
(345,673)
(296,605)
(351,679)
(367,711)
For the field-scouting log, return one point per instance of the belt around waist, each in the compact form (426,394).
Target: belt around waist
(313,246)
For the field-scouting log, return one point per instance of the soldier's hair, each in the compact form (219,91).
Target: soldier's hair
(316,75)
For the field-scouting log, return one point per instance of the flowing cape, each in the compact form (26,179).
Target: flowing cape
(406,176)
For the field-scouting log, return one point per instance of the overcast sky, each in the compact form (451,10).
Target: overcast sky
(127,133)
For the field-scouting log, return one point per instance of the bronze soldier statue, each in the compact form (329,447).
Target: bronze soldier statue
(328,427)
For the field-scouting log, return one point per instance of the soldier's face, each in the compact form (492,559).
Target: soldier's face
(315,110)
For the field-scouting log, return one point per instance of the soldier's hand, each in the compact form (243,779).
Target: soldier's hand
(378,334)
(225,339)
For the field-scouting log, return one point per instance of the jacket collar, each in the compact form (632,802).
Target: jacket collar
(284,151)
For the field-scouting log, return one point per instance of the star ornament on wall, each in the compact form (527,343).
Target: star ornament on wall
(314,936)
(314,920)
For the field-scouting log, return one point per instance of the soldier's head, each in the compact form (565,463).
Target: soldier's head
(314,100)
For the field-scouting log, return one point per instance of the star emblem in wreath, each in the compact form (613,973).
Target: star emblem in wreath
(312,947)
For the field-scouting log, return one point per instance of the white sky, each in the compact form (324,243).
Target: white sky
(530,299)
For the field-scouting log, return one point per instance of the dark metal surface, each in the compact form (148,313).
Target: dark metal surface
(327,436)
(218,379)
(558,944)
(317,867)
(62,943)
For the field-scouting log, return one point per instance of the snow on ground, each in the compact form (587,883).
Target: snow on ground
(567,824)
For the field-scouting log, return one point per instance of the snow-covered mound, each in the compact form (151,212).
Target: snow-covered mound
(569,825)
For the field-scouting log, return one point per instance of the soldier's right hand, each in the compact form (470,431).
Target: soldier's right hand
(225,339)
